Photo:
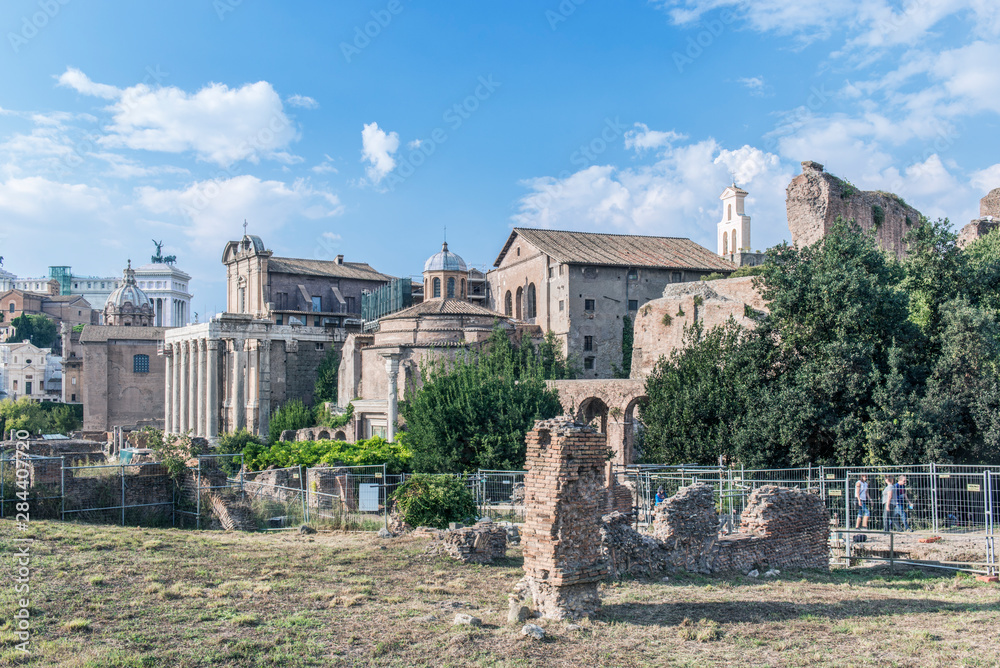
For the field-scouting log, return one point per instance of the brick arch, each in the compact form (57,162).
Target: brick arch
(591,410)
(618,395)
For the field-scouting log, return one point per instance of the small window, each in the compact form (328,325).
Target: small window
(552,272)
(437,288)
(451,288)
(319,345)
(317,304)
(519,252)
(140,364)
(316,321)
(633,305)
(590,272)
(588,305)
(588,363)
(73,381)
(277,320)
(561,269)
(588,343)
(633,275)
(562,305)
(12,307)
(676,277)
(72,397)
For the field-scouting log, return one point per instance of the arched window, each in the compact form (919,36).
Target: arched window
(531,302)
(451,287)
(12,307)
(736,248)
(437,287)
(519,300)
(725,242)
(729,216)
(508,306)
(463,295)
(140,363)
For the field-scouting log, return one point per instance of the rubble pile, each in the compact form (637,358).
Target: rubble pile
(482,543)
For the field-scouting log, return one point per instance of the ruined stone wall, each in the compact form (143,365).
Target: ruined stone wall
(976,230)
(780,528)
(990,204)
(564,496)
(482,543)
(815,199)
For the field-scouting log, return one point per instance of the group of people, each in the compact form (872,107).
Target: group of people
(895,503)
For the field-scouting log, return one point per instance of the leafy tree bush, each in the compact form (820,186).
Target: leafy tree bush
(375,451)
(171,450)
(44,417)
(292,415)
(473,412)
(37,329)
(434,501)
(326,378)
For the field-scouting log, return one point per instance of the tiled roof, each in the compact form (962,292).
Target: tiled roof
(444,307)
(619,250)
(101,333)
(356,270)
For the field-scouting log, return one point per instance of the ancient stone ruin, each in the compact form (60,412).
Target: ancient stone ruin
(780,528)
(482,543)
(564,498)
(815,199)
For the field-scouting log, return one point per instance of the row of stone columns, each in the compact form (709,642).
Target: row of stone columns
(192,387)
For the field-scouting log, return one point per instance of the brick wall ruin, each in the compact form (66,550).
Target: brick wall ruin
(990,204)
(482,543)
(780,528)
(815,199)
(564,498)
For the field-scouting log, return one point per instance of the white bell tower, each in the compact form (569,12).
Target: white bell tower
(734,228)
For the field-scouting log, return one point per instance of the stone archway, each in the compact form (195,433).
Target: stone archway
(594,411)
(322,435)
(633,428)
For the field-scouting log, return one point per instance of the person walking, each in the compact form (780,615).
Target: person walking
(888,499)
(660,497)
(902,503)
(861,496)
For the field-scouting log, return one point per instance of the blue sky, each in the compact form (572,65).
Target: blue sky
(366,128)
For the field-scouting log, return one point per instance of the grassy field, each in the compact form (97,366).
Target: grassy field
(110,596)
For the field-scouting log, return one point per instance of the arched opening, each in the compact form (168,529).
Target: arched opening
(451,287)
(531,302)
(519,300)
(729,215)
(634,430)
(508,305)
(462,294)
(437,288)
(725,242)
(340,436)
(594,412)
(736,248)
(322,435)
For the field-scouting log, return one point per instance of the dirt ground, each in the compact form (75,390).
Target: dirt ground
(106,596)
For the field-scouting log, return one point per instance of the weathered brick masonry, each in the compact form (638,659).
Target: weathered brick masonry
(482,543)
(564,498)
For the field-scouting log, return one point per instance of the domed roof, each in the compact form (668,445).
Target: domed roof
(127,292)
(445,261)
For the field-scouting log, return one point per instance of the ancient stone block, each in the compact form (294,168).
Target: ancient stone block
(482,543)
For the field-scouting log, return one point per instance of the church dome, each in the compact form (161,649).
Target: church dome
(127,292)
(445,261)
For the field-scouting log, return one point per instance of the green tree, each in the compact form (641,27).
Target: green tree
(628,334)
(37,329)
(474,411)
(326,378)
(291,415)
(434,500)
(555,366)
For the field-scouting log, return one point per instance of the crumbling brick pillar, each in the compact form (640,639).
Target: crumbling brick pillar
(564,499)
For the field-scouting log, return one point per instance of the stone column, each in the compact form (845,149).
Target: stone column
(264,388)
(392,400)
(564,496)
(212,389)
(239,384)
(175,403)
(253,350)
(199,424)
(185,395)
(168,396)
(192,387)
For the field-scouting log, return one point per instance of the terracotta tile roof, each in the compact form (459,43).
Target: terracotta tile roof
(444,307)
(356,270)
(102,333)
(619,250)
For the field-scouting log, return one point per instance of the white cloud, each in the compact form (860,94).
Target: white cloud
(377,148)
(302,101)
(756,85)
(987,179)
(219,124)
(330,236)
(641,138)
(677,195)
(210,212)
(37,199)
(324,167)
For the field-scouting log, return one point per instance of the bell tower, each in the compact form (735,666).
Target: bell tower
(734,228)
